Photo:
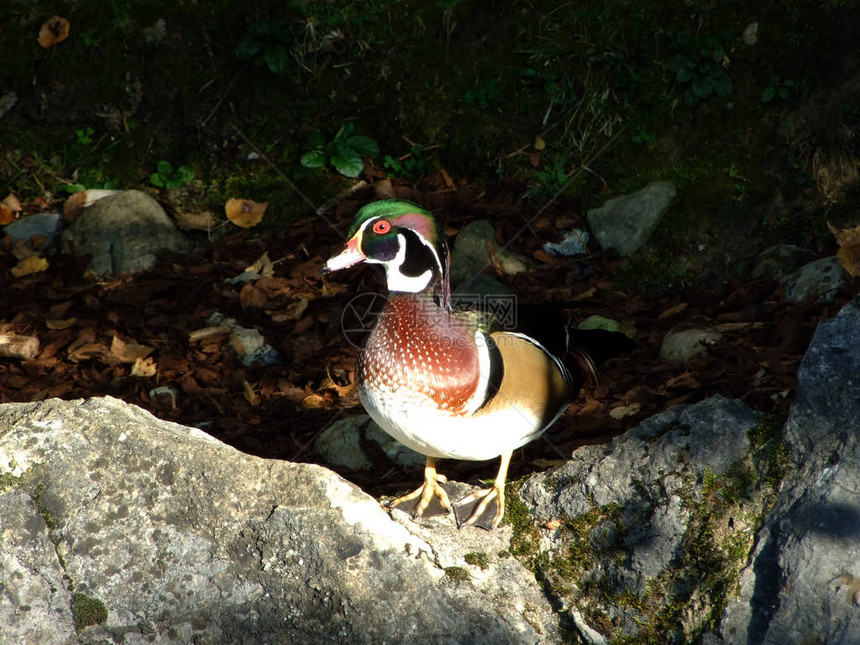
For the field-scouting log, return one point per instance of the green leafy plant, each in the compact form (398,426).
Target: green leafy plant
(644,137)
(84,136)
(699,67)
(777,87)
(411,165)
(166,177)
(345,152)
(484,94)
(110,184)
(550,179)
(267,42)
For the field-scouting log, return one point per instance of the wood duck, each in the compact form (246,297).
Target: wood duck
(439,382)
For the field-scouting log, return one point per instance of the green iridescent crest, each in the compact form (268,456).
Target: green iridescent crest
(403,214)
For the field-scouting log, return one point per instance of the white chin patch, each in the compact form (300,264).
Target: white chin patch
(410,284)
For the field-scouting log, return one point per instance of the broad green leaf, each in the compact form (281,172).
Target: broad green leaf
(164,168)
(249,45)
(350,166)
(363,146)
(313,159)
(722,85)
(344,133)
(277,58)
(156,180)
(702,87)
(185,174)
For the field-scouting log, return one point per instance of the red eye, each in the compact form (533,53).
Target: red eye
(382,227)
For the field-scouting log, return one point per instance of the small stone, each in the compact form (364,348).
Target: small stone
(123,233)
(627,222)
(393,449)
(572,244)
(47,225)
(750,34)
(820,280)
(779,260)
(340,443)
(472,255)
(248,344)
(684,343)
(7,102)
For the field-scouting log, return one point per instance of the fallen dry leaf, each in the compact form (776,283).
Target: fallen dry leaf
(446,177)
(28,266)
(248,392)
(55,30)
(144,367)
(12,203)
(671,311)
(292,312)
(313,401)
(848,255)
(206,333)
(245,212)
(74,205)
(22,250)
(687,379)
(625,411)
(343,391)
(9,209)
(129,352)
(262,266)
(15,346)
(86,351)
(61,324)
(204,221)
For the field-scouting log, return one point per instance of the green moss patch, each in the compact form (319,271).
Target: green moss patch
(88,611)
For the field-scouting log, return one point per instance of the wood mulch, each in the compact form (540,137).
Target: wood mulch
(90,330)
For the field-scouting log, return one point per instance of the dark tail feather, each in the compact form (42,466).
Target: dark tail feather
(591,348)
(599,344)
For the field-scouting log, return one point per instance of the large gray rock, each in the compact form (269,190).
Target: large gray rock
(623,520)
(123,233)
(712,522)
(803,580)
(118,527)
(627,222)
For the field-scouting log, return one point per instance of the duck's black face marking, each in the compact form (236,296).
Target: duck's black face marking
(419,258)
(382,248)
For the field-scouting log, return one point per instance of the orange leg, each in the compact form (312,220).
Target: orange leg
(485,508)
(426,492)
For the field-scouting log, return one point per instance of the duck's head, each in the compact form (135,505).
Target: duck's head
(404,238)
